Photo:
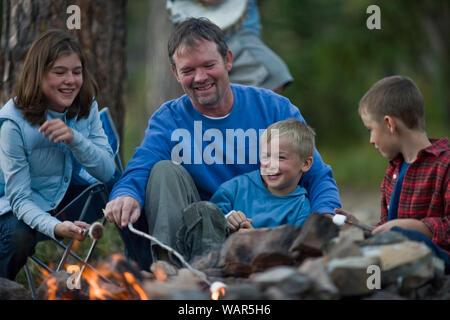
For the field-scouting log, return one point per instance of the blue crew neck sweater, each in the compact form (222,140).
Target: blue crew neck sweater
(215,150)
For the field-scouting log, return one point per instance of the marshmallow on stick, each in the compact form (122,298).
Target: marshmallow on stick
(339,219)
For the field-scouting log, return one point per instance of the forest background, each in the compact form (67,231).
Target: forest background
(334,59)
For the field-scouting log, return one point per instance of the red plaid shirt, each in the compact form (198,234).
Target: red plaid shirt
(425,192)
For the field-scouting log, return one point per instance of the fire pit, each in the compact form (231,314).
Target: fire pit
(316,261)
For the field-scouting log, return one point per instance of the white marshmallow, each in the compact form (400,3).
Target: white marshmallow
(339,219)
(216,286)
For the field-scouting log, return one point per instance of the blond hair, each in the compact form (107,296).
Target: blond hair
(298,133)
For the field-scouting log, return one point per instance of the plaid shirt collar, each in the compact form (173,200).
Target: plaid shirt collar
(437,147)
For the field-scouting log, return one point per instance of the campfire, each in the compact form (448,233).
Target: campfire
(113,279)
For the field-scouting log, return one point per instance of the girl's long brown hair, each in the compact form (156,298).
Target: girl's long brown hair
(43,53)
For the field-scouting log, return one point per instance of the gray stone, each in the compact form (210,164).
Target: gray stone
(350,274)
(437,289)
(353,234)
(258,249)
(384,295)
(382,238)
(244,291)
(341,248)
(11,290)
(273,276)
(407,264)
(189,295)
(315,233)
(322,287)
(276,293)
(169,269)
(295,286)
(282,282)
(395,255)
(209,261)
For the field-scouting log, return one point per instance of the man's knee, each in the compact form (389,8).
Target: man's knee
(199,210)
(203,207)
(166,168)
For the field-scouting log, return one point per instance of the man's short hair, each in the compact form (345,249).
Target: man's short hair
(191,31)
(395,96)
(298,133)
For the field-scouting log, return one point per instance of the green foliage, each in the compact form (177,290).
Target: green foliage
(136,86)
(335,59)
(357,165)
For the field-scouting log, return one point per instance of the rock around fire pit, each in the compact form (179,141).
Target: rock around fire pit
(316,261)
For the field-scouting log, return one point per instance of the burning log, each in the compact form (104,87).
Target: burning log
(124,283)
(125,275)
(54,287)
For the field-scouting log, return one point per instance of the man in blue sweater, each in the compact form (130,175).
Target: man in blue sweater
(196,142)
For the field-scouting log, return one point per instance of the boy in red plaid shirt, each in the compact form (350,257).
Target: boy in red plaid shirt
(415,190)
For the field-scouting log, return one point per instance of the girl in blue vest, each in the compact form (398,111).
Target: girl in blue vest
(52,146)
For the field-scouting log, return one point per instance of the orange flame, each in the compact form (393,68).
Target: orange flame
(127,288)
(52,287)
(131,280)
(122,285)
(218,293)
(217,290)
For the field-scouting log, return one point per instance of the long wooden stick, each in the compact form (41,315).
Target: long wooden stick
(199,274)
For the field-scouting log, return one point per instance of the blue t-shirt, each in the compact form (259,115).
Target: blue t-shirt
(393,206)
(248,194)
(215,150)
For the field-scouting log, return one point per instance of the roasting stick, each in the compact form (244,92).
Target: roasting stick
(64,257)
(95,232)
(199,274)
(340,220)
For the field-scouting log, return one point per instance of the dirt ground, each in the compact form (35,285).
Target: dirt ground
(363,204)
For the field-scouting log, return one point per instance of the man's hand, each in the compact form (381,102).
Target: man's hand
(73,230)
(57,131)
(405,224)
(123,210)
(351,218)
(237,220)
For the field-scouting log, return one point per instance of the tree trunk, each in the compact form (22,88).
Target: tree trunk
(102,36)
(162,84)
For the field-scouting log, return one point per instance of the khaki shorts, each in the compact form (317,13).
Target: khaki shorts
(255,64)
